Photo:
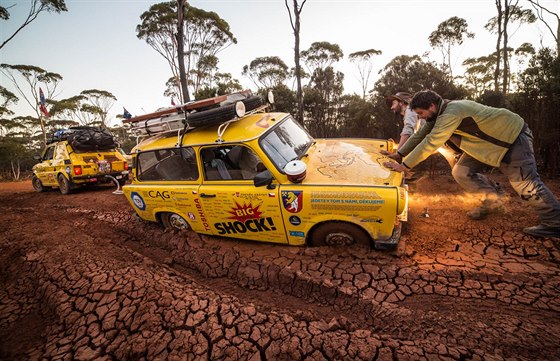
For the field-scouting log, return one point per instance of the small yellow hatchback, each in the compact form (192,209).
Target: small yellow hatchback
(79,156)
(260,176)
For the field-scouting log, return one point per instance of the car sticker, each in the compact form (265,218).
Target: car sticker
(292,201)
(138,201)
(295,220)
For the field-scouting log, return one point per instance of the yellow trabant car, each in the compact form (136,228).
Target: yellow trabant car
(264,178)
(68,163)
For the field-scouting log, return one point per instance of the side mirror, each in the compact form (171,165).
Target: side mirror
(263,178)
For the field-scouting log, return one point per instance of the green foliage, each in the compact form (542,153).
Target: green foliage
(321,102)
(538,102)
(408,73)
(356,117)
(284,99)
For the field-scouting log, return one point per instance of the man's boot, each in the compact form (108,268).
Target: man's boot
(487,207)
(543,231)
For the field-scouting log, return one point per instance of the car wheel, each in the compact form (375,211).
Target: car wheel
(174,221)
(63,184)
(339,234)
(37,184)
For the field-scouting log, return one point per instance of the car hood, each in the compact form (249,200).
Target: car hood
(349,162)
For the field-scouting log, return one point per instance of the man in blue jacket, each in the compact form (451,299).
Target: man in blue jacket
(493,136)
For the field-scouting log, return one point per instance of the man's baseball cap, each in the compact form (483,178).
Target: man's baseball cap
(400,96)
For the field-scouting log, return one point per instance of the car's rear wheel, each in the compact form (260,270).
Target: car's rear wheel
(37,184)
(174,221)
(64,184)
(339,234)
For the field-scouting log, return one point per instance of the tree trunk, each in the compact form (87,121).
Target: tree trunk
(297,62)
(181,52)
(505,49)
(498,48)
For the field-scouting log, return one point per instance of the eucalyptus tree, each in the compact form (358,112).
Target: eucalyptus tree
(36,8)
(296,9)
(28,81)
(321,55)
(90,107)
(266,72)
(508,12)
(479,74)
(450,32)
(7,98)
(364,62)
(206,34)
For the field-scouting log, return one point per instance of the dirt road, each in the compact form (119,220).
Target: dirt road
(80,279)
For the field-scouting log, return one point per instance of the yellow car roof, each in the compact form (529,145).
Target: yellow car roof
(241,130)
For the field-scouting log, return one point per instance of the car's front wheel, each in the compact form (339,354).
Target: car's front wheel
(64,184)
(37,184)
(339,234)
(174,221)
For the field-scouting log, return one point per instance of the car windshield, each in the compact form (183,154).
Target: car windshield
(286,142)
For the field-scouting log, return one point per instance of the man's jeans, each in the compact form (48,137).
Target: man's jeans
(520,167)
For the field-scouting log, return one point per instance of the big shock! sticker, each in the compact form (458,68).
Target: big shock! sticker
(246,218)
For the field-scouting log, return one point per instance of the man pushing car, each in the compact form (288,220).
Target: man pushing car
(493,136)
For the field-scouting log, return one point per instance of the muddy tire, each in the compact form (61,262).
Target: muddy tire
(37,184)
(339,234)
(64,184)
(174,221)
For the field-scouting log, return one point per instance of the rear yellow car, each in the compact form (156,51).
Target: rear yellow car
(68,167)
(262,177)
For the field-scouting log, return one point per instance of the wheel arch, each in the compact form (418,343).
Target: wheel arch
(318,225)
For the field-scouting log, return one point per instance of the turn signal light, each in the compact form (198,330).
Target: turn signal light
(125,165)
(77,169)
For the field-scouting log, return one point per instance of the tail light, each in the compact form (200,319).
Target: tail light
(77,169)
(126,165)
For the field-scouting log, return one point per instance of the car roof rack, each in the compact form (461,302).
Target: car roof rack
(212,111)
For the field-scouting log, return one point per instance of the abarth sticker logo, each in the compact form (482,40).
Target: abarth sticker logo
(292,201)
(138,201)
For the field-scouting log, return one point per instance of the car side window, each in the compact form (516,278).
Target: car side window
(168,165)
(230,163)
(49,153)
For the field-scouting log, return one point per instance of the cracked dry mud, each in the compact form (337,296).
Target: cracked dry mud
(81,279)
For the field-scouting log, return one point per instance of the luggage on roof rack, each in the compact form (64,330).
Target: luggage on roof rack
(195,114)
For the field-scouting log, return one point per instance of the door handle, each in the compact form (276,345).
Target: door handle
(204,195)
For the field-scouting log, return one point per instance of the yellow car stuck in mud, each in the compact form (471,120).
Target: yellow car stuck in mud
(79,156)
(260,176)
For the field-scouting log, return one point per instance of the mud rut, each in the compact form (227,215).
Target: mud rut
(81,279)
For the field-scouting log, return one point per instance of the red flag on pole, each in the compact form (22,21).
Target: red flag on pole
(42,106)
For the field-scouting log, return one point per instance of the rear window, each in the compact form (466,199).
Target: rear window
(175,164)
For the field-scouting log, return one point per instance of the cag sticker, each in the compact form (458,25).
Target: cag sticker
(138,201)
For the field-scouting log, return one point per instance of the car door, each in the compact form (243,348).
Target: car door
(45,170)
(233,206)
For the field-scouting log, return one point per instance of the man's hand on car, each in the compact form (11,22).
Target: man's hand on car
(395,166)
(395,156)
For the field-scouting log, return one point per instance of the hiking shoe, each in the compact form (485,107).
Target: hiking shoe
(487,207)
(543,231)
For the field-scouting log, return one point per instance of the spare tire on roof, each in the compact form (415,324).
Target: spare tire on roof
(221,114)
